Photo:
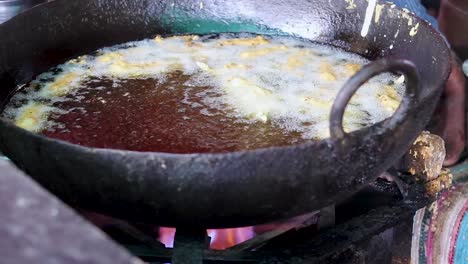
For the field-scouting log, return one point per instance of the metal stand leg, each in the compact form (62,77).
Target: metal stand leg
(189,245)
(327,217)
(392,175)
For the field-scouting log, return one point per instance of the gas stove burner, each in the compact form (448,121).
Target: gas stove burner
(10,8)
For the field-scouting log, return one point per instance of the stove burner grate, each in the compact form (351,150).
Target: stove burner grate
(362,222)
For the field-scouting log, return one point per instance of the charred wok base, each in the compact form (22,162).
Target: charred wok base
(370,212)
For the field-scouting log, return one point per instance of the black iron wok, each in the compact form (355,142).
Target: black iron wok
(231,189)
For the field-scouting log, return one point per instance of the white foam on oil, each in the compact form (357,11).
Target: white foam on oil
(287,81)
